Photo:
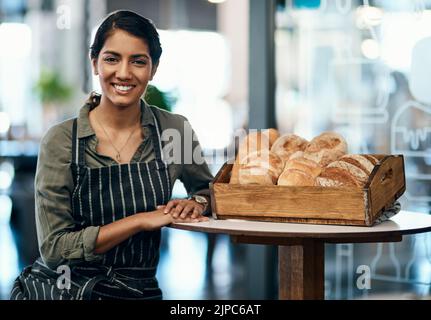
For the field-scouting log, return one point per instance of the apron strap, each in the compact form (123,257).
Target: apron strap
(78,145)
(157,145)
(156,134)
(74,141)
(88,287)
(81,151)
(109,275)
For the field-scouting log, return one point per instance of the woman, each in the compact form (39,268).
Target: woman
(103,184)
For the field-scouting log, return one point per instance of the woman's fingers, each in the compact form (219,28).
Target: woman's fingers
(203,218)
(190,219)
(178,209)
(187,209)
(185,220)
(171,204)
(195,216)
(197,211)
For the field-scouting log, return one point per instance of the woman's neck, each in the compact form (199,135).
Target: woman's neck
(116,117)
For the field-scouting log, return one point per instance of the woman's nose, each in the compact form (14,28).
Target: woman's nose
(123,71)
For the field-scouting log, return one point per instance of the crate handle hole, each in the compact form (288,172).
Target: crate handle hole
(387,175)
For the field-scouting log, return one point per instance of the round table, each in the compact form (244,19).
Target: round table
(301,255)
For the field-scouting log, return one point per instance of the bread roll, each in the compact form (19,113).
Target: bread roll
(265,159)
(349,170)
(294,177)
(273,135)
(297,154)
(257,175)
(299,172)
(254,141)
(371,158)
(359,161)
(258,166)
(303,164)
(325,148)
(360,175)
(336,177)
(288,144)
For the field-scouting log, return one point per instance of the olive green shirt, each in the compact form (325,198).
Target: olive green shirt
(59,240)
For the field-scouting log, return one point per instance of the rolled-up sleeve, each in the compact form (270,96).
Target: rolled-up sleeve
(195,174)
(59,238)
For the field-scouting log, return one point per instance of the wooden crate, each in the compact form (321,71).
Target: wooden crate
(318,205)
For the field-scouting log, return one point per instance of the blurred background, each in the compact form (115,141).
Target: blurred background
(359,67)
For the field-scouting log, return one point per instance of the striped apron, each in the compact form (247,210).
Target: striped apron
(101,196)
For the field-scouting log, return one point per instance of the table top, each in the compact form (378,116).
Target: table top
(405,222)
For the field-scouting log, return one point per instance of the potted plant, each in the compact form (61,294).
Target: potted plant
(53,93)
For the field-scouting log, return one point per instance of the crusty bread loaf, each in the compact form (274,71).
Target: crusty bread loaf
(371,158)
(349,170)
(273,135)
(297,154)
(256,175)
(325,148)
(294,177)
(299,172)
(308,166)
(360,175)
(234,177)
(257,140)
(254,141)
(265,159)
(288,144)
(257,166)
(360,161)
(357,166)
(336,177)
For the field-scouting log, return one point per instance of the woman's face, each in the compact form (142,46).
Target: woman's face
(124,67)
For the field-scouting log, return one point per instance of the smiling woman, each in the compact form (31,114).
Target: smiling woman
(124,73)
(103,186)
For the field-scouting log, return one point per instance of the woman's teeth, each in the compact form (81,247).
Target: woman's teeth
(123,88)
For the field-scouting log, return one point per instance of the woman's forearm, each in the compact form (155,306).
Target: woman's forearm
(116,232)
(113,234)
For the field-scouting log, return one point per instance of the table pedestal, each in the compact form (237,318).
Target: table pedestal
(301,270)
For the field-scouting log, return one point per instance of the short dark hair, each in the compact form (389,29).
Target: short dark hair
(132,23)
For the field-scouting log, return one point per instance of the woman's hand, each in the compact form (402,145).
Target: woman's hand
(158,218)
(182,209)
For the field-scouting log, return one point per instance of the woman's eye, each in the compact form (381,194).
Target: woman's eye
(110,59)
(140,62)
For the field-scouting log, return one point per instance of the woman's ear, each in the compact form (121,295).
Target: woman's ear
(153,71)
(94,64)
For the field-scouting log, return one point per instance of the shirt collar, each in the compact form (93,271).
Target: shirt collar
(84,128)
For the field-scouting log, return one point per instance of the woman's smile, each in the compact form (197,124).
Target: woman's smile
(123,89)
